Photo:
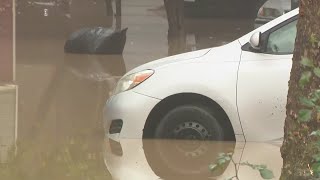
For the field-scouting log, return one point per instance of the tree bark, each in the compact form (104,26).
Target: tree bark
(297,148)
(176,32)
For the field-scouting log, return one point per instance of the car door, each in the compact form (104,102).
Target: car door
(263,83)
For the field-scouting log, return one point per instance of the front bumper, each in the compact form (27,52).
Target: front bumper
(132,109)
(126,160)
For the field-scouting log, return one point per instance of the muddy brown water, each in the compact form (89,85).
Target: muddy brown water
(184,159)
(61,95)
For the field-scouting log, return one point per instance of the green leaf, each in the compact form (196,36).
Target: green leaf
(316,93)
(316,71)
(227,158)
(316,157)
(221,162)
(221,155)
(266,174)
(262,166)
(305,78)
(313,39)
(306,62)
(213,167)
(306,102)
(315,96)
(315,133)
(316,167)
(304,115)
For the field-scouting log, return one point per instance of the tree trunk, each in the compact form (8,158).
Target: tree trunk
(109,8)
(118,15)
(176,32)
(109,11)
(297,148)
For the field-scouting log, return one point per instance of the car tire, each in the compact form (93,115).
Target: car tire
(190,122)
(182,158)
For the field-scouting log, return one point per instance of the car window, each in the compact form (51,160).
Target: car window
(281,41)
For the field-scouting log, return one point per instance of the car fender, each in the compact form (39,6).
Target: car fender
(215,79)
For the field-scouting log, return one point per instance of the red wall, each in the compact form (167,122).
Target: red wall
(6,41)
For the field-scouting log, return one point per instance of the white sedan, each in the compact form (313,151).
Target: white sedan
(234,92)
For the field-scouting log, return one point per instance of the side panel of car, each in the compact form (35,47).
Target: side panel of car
(262,94)
(263,82)
(201,76)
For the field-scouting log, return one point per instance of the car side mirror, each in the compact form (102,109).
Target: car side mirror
(255,41)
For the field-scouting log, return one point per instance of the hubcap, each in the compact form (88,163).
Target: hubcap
(190,131)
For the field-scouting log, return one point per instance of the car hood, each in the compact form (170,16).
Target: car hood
(171,59)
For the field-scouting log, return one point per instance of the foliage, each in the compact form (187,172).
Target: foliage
(316,157)
(224,159)
(312,100)
(311,105)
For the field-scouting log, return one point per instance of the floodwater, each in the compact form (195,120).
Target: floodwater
(183,159)
(61,96)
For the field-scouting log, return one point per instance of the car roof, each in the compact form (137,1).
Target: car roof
(244,39)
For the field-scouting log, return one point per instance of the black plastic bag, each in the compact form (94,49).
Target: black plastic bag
(96,40)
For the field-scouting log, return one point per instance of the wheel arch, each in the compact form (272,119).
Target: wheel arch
(175,100)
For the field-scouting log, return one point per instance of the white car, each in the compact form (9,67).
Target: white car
(234,92)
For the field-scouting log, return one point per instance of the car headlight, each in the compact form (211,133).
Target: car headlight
(132,80)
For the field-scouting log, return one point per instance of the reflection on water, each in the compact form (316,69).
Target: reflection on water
(61,95)
(78,90)
(63,138)
(181,159)
(96,41)
(186,159)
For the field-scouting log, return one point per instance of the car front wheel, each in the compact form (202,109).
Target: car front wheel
(190,122)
